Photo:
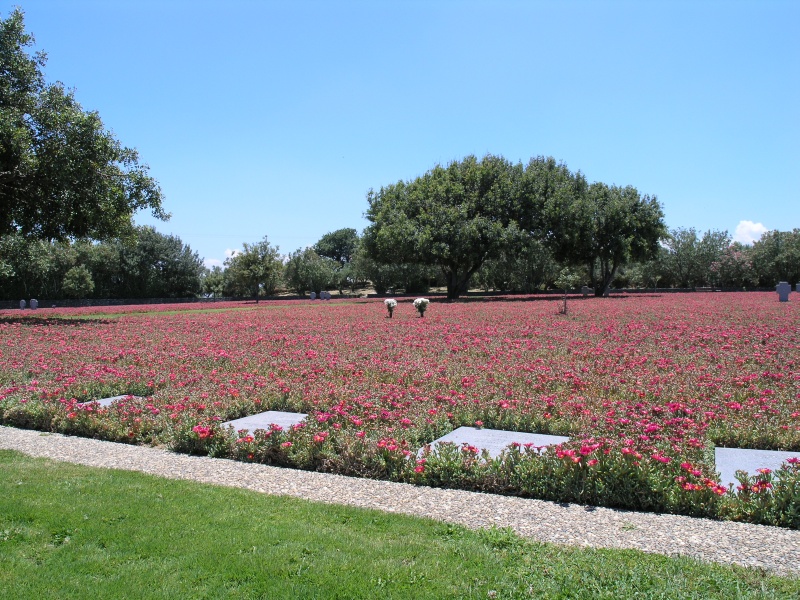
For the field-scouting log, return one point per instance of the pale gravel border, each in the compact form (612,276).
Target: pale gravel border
(771,548)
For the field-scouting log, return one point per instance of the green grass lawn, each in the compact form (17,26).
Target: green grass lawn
(68,531)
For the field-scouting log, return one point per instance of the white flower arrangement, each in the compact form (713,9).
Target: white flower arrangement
(421,304)
(390,305)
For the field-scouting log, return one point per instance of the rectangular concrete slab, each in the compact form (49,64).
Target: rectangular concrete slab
(497,440)
(730,460)
(265,419)
(108,401)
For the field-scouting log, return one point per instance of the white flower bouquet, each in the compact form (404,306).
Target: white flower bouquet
(421,304)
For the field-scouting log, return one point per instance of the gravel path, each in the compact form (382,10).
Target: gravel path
(771,548)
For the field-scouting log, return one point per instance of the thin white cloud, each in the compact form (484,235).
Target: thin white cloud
(748,232)
(210,263)
(231,253)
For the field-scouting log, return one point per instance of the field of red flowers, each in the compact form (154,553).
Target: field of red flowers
(645,386)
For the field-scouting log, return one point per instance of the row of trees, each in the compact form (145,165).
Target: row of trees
(144,264)
(689,260)
(683,259)
(150,264)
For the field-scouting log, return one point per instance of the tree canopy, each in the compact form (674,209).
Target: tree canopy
(472,211)
(609,226)
(339,245)
(308,271)
(256,271)
(62,174)
(454,217)
(147,264)
(689,258)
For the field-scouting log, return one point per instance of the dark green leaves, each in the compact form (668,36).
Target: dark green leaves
(62,174)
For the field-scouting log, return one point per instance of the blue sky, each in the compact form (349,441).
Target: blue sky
(275,118)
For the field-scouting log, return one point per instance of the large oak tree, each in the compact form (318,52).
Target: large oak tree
(454,217)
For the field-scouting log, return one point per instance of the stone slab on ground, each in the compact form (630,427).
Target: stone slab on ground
(496,440)
(109,401)
(265,419)
(730,460)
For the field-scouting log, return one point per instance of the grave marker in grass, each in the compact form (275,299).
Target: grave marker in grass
(265,419)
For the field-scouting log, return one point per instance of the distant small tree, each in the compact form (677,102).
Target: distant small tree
(339,245)
(776,257)
(77,282)
(155,265)
(256,271)
(735,267)
(568,278)
(213,282)
(689,257)
(308,271)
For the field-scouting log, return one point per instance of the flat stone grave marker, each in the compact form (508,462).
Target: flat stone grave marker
(108,401)
(730,460)
(265,419)
(496,440)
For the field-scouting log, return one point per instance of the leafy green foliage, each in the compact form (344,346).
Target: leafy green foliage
(78,282)
(608,227)
(527,265)
(148,264)
(475,212)
(308,271)
(155,265)
(776,257)
(453,217)
(62,174)
(213,282)
(339,245)
(256,271)
(689,259)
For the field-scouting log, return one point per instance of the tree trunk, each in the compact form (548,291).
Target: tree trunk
(457,283)
(606,277)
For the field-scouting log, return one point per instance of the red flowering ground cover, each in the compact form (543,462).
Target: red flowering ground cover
(644,385)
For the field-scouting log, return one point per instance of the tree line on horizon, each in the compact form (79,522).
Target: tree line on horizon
(154,265)
(69,190)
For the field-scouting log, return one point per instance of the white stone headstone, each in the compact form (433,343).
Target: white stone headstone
(22,304)
(783,289)
(34,303)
